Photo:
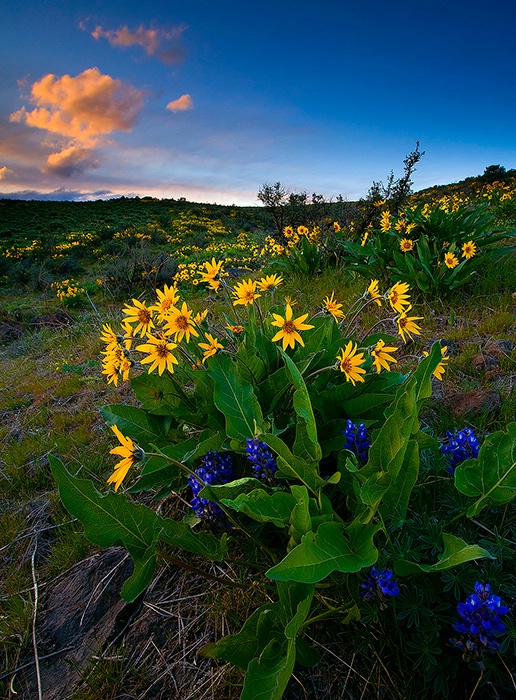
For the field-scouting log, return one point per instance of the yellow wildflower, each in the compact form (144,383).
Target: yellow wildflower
(407,325)
(141,315)
(179,323)
(289,328)
(468,250)
(398,297)
(159,353)
(349,362)
(211,347)
(451,260)
(381,356)
(245,293)
(130,454)
(332,307)
(406,244)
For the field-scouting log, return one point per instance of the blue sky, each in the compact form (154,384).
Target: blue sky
(209,100)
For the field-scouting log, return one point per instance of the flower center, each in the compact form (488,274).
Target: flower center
(144,316)
(161,349)
(346,366)
(289,327)
(182,323)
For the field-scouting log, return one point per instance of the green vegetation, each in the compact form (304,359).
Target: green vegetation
(66,271)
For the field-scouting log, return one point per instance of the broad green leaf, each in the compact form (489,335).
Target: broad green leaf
(181,535)
(306,444)
(231,490)
(491,478)
(158,395)
(235,398)
(268,675)
(112,520)
(330,549)
(390,442)
(456,552)
(140,426)
(275,508)
(300,519)
(241,648)
(291,466)
(396,499)
(158,471)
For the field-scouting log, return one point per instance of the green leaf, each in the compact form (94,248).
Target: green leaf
(491,478)
(158,471)
(158,395)
(241,648)
(330,549)
(231,490)
(112,520)
(306,444)
(395,501)
(390,442)
(235,398)
(291,466)
(456,552)
(300,520)
(264,507)
(140,426)
(181,535)
(268,675)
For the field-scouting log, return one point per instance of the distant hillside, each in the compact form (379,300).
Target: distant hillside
(470,186)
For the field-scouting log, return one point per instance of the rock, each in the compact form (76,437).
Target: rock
(483,401)
(78,616)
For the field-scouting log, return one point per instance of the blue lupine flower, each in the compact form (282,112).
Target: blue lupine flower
(480,623)
(262,459)
(215,469)
(379,584)
(357,440)
(461,445)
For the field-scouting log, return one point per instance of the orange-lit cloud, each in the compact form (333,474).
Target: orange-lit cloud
(84,109)
(181,104)
(4,172)
(73,159)
(162,43)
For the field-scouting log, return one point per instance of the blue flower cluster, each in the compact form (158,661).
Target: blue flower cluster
(262,459)
(215,469)
(480,623)
(357,440)
(461,445)
(379,584)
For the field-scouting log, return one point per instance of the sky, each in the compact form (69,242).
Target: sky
(210,100)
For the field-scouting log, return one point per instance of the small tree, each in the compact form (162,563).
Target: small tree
(274,198)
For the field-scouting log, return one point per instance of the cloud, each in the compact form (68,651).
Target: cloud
(181,104)
(162,43)
(70,161)
(84,109)
(4,172)
(61,194)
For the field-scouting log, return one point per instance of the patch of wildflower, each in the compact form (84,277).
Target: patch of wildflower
(67,289)
(262,460)
(479,623)
(357,440)
(216,468)
(461,445)
(379,585)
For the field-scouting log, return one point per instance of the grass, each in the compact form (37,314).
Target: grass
(49,394)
